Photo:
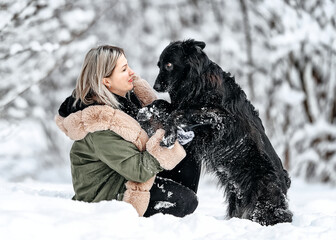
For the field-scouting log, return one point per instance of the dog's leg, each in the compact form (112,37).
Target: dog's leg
(253,183)
(255,192)
(187,120)
(268,188)
(258,199)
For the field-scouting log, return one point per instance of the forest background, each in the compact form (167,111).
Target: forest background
(281,52)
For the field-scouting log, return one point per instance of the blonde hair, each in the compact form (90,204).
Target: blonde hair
(98,64)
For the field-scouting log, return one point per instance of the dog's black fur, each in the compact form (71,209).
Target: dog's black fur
(229,136)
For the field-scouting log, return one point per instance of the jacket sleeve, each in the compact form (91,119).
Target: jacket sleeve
(124,157)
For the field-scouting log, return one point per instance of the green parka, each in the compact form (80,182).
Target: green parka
(112,157)
(103,162)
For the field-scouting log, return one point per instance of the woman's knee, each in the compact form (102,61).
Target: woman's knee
(193,203)
(188,204)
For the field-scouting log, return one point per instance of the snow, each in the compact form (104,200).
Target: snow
(19,157)
(78,19)
(164,204)
(40,210)
(15,48)
(42,54)
(183,136)
(289,96)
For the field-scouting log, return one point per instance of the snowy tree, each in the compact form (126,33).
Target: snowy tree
(40,40)
(281,52)
(299,79)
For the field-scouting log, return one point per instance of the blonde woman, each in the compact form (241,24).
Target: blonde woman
(112,156)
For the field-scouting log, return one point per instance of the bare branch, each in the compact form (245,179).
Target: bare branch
(248,40)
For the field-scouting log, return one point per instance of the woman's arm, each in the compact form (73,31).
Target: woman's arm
(124,157)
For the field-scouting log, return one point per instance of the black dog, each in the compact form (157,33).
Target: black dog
(229,136)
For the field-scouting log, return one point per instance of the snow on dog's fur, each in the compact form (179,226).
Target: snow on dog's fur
(229,136)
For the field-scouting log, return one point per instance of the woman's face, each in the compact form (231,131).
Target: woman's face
(121,80)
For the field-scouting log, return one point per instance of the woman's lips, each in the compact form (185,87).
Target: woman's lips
(131,79)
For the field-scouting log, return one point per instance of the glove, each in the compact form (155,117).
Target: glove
(184,137)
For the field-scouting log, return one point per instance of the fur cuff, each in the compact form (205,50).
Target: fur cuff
(139,200)
(167,157)
(141,141)
(137,186)
(137,194)
(144,91)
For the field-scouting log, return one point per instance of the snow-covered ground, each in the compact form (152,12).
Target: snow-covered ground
(36,210)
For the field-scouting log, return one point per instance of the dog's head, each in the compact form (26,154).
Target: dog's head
(175,64)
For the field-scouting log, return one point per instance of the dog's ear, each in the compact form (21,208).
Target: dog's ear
(195,66)
(190,45)
(200,44)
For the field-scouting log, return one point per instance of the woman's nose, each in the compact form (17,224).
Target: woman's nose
(131,72)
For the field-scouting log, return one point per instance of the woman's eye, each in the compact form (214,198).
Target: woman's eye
(169,66)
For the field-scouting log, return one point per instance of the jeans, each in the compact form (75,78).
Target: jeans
(169,197)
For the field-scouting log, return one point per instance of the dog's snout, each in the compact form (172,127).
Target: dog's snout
(157,86)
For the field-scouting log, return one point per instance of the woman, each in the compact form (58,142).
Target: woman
(112,157)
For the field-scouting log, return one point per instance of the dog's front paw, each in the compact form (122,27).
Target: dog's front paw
(271,216)
(144,114)
(169,138)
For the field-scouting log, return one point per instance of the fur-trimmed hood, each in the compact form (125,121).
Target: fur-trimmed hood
(101,117)
(79,120)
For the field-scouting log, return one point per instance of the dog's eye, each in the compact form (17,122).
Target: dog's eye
(169,66)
